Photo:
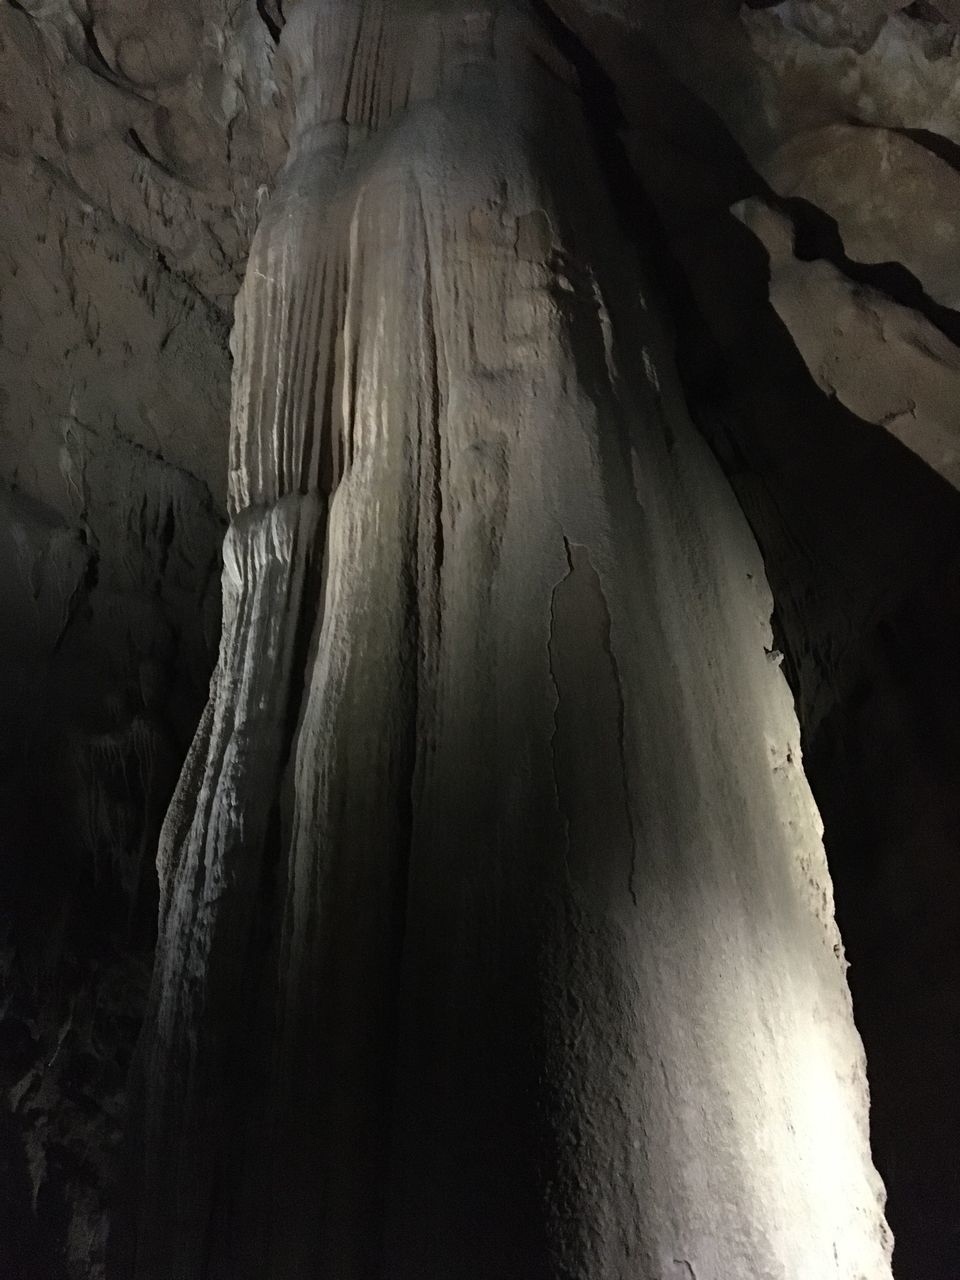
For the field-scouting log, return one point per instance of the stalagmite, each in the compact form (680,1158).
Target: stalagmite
(496,935)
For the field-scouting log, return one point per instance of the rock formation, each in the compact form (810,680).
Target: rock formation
(496,935)
(781,178)
(885,362)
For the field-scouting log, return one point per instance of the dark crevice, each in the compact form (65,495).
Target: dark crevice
(920,11)
(944,149)
(817,236)
(699,359)
(271,14)
(167,535)
(141,148)
(94,59)
(636,216)
(99,61)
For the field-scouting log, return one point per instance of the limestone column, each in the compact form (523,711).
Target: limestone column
(497,938)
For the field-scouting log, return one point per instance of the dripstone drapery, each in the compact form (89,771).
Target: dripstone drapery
(496,935)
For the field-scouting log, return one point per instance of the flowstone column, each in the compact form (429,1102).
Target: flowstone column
(496,938)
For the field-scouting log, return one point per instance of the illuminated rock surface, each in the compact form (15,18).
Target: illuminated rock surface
(496,932)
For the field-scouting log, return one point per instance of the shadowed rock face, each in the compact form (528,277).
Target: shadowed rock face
(124,225)
(496,936)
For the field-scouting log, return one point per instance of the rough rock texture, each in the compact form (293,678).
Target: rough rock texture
(883,361)
(130,163)
(893,198)
(496,933)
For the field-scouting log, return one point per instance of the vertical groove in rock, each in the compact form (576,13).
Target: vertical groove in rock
(543,781)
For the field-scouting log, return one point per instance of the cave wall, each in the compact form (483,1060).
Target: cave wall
(132,151)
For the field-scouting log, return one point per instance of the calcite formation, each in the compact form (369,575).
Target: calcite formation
(496,936)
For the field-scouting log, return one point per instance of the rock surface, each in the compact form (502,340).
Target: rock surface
(137,145)
(129,170)
(884,362)
(893,199)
